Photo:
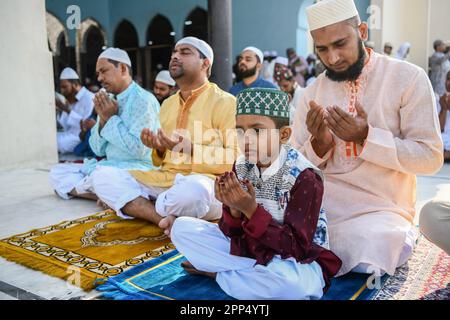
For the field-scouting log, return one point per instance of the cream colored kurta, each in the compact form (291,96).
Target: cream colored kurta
(370,192)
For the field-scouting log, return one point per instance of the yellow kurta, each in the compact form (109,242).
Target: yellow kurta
(208,117)
(370,192)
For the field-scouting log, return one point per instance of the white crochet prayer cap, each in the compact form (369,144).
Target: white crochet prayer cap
(200,45)
(256,51)
(69,74)
(164,77)
(282,60)
(328,12)
(116,54)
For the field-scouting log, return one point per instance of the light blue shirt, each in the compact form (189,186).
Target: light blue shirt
(120,139)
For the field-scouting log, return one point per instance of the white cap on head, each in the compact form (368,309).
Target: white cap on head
(328,12)
(164,77)
(274,54)
(200,45)
(256,51)
(116,54)
(282,60)
(69,74)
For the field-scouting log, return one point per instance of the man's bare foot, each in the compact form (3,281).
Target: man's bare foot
(166,224)
(88,196)
(189,268)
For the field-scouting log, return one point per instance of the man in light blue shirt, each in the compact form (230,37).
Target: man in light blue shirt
(116,135)
(250,65)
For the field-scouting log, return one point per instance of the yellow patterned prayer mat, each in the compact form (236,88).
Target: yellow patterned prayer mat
(89,249)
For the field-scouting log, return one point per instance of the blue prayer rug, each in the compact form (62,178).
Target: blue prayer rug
(164,279)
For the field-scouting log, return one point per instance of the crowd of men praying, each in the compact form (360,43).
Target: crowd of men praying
(309,164)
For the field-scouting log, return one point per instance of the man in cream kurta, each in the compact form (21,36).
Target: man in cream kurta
(377,120)
(203,117)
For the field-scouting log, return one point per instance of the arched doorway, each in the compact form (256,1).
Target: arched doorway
(126,38)
(58,41)
(196,24)
(94,44)
(91,40)
(160,41)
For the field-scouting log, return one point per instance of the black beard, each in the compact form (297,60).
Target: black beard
(353,72)
(247,73)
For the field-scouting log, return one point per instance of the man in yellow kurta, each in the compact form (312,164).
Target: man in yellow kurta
(370,123)
(195,144)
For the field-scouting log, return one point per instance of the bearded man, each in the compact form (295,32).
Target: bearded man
(370,123)
(250,63)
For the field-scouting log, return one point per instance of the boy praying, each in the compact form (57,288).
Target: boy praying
(272,241)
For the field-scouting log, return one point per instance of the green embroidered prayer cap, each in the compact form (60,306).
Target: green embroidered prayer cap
(263,102)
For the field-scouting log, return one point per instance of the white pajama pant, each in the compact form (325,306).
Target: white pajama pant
(67,142)
(191,196)
(68,176)
(208,249)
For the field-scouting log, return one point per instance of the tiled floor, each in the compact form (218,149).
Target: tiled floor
(28,202)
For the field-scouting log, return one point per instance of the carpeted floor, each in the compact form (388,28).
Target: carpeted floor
(138,262)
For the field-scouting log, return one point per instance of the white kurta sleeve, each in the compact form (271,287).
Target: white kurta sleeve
(82,112)
(419,150)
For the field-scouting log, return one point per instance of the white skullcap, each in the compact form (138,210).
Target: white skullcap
(164,77)
(256,51)
(274,54)
(266,54)
(282,60)
(69,74)
(200,45)
(116,54)
(328,12)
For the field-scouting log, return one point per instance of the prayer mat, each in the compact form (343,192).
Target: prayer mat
(89,249)
(425,276)
(164,279)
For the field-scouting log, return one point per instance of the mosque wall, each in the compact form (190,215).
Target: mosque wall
(419,22)
(439,22)
(267,24)
(27,110)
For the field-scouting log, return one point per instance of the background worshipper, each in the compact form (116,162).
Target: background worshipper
(164,86)
(443,107)
(439,66)
(116,135)
(236,75)
(249,68)
(184,185)
(311,71)
(269,67)
(298,66)
(388,48)
(435,223)
(279,63)
(370,124)
(271,242)
(287,83)
(319,69)
(79,107)
(403,51)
